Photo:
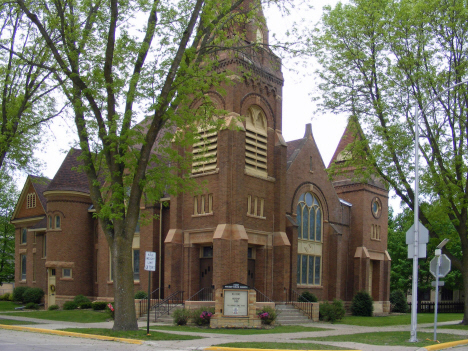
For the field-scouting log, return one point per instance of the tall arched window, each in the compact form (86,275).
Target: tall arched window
(310,228)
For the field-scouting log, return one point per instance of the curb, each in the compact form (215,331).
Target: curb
(76,335)
(219,348)
(444,345)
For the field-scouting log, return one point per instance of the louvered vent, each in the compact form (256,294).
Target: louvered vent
(205,152)
(255,151)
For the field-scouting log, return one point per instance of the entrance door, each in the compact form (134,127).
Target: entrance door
(206,272)
(51,289)
(251,273)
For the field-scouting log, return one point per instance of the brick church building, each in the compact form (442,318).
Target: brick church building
(268,215)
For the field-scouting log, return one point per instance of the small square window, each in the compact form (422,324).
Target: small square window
(66,273)
(207,251)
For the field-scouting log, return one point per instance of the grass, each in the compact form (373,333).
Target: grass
(389,338)
(275,330)
(404,319)
(78,316)
(281,346)
(130,334)
(8,305)
(15,322)
(453,326)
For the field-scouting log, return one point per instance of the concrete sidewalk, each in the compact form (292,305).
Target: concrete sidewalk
(211,339)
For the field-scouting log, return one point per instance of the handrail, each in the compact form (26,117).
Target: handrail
(300,302)
(204,294)
(261,297)
(144,302)
(164,307)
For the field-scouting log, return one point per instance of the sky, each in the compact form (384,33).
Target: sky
(298,109)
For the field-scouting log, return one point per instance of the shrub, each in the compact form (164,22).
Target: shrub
(85,305)
(34,295)
(110,310)
(5,297)
(267,314)
(53,307)
(398,301)
(140,295)
(332,312)
(362,304)
(79,299)
(70,305)
(202,316)
(307,296)
(181,316)
(18,293)
(32,306)
(99,305)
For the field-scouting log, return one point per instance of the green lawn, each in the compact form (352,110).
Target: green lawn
(453,326)
(281,346)
(138,334)
(404,319)
(15,322)
(8,305)
(79,316)
(275,330)
(389,338)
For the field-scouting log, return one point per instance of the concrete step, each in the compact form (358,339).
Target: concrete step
(289,315)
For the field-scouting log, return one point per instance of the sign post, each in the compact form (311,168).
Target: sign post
(150,265)
(440,266)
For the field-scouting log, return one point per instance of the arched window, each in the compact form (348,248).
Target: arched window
(310,226)
(256,141)
(57,222)
(50,222)
(309,218)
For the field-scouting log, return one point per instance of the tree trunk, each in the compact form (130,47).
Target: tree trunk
(125,315)
(465,287)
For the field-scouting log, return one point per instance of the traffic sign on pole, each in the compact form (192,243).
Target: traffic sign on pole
(444,268)
(423,240)
(150,261)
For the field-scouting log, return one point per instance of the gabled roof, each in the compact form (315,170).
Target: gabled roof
(68,178)
(351,132)
(39,184)
(295,146)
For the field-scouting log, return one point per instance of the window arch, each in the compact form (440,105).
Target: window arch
(256,141)
(309,218)
(310,234)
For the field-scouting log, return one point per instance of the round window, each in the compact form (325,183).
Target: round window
(376,207)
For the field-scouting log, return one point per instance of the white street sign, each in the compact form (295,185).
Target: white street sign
(441,283)
(445,266)
(150,261)
(421,252)
(423,240)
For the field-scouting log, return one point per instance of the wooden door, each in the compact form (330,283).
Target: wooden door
(51,289)
(206,272)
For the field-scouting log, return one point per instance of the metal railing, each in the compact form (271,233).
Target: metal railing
(299,301)
(205,294)
(442,307)
(165,306)
(261,297)
(153,300)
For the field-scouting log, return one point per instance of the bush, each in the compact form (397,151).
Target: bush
(110,310)
(267,314)
(70,305)
(307,296)
(398,301)
(85,305)
(202,316)
(53,307)
(32,306)
(5,297)
(99,305)
(18,293)
(362,304)
(332,312)
(34,295)
(181,316)
(79,299)
(140,295)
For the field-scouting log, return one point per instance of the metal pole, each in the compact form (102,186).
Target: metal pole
(438,253)
(149,301)
(414,289)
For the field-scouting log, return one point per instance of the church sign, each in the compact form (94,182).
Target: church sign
(236,300)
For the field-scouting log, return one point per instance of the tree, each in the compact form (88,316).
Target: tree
(8,196)
(381,59)
(26,102)
(116,72)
